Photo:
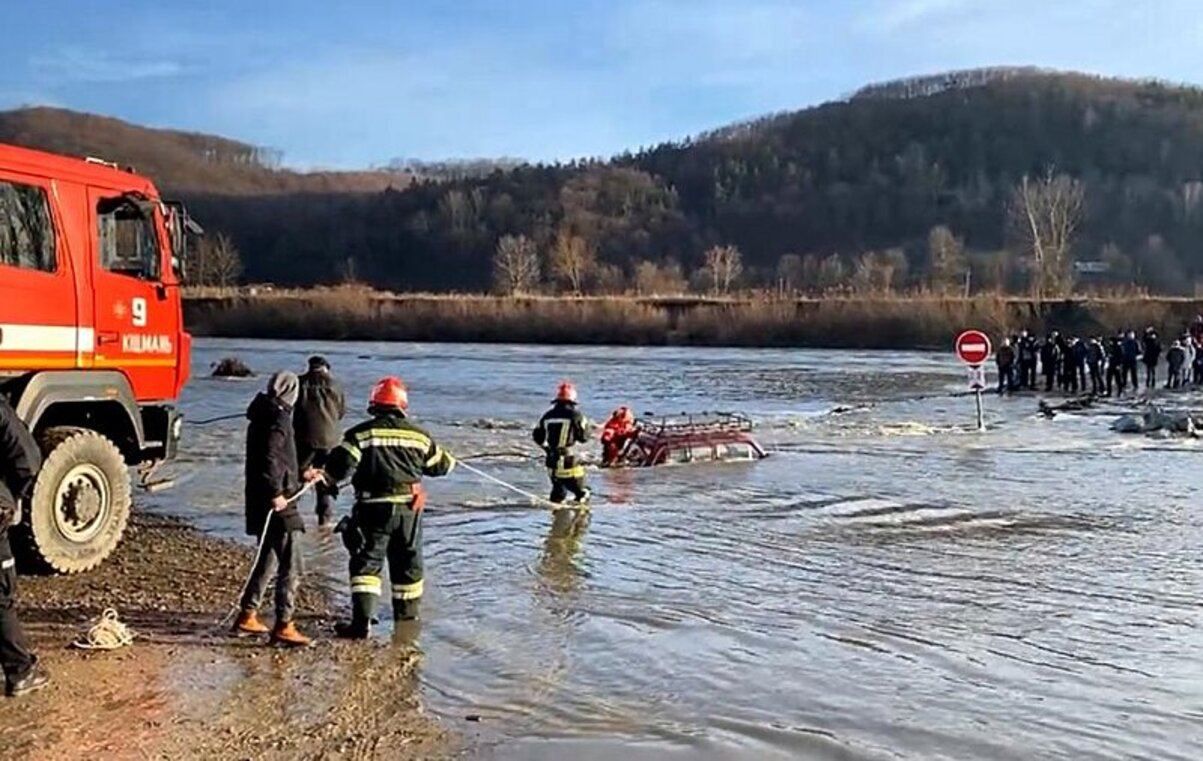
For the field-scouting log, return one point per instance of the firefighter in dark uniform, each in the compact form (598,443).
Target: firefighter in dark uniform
(559,430)
(20,461)
(389,455)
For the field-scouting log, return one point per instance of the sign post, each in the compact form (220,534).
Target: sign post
(973,348)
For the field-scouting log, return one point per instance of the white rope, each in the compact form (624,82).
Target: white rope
(259,553)
(534,498)
(108,633)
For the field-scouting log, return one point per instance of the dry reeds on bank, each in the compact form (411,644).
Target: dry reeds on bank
(877,321)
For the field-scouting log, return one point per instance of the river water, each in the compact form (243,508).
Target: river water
(888,584)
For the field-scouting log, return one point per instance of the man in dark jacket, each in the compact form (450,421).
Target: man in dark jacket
(1151,354)
(1050,359)
(320,408)
(272,483)
(558,431)
(1130,349)
(1028,353)
(1175,358)
(20,461)
(1005,357)
(389,455)
(1096,358)
(1116,379)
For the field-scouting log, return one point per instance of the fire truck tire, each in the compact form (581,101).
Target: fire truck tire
(81,501)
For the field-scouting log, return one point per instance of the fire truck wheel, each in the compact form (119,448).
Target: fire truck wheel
(81,501)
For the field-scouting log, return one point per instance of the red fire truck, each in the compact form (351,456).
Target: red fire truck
(93,352)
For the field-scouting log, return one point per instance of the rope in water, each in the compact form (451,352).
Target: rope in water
(534,498)
(108,633)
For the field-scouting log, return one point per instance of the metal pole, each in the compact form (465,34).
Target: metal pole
(977,395)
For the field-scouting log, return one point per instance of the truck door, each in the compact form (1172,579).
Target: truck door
(39,328)
(137,320)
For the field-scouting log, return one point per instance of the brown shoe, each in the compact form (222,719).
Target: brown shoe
(287,635)
(248,623)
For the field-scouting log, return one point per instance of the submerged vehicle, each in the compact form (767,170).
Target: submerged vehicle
(690,438)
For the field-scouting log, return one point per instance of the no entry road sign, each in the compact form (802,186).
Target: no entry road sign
(973,347)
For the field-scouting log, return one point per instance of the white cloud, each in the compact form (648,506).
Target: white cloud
(893,15)
(72,64)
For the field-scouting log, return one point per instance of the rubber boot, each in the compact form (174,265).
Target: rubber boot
(288,635)
(363,606)
(248,623)
(406,610)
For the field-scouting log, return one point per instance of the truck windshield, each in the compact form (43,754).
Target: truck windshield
(129,244)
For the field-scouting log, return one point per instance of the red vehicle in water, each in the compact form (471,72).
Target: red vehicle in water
(691,438)
(93,351)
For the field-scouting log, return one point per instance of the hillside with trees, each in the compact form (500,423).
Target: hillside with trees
(181,162)
(1011,180)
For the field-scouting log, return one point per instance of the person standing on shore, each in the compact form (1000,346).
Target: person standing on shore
(1096,358)
(1188,365)
(1151,353)
(1175,358)
(1005,358)
(386,457)
(20,461)
(1028,353)
(272,482)
(321,406)
(558,431)
(1131,357)
(1050,355)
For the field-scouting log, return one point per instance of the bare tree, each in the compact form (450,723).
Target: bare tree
(572,260)
(879,271)
(515,265)
(723,267)
(1044,215)
(790,273)
(650,278)
(215,261)
(946,260)
(831,273)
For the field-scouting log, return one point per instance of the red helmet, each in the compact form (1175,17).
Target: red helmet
(566,392)
(389,392)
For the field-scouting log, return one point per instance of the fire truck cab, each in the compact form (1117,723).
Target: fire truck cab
(93,352)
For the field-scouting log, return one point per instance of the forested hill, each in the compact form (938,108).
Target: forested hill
(819,196)
(180,162)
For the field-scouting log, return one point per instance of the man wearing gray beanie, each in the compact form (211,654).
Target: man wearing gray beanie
(272,483)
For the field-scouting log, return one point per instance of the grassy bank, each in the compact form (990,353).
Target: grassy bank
(863,322)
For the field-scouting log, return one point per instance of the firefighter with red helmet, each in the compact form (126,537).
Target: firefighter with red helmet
(616,434)
(559,430)
(388,456)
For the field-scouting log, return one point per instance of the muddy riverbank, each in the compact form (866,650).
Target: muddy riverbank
(186,688)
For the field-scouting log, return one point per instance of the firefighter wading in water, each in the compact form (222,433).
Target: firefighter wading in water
(388,455)
(559,430)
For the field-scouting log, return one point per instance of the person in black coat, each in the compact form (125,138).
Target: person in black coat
(1005,357)
(1130,349)
(1096,359)
(1050,359)
(272,484)
(20,462)
(1151,353)
(321,406)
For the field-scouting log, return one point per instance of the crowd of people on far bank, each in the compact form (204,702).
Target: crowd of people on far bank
(1100,366)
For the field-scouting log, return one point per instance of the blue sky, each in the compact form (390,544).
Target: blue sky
(349,84)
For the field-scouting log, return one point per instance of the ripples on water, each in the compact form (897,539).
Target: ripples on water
(888,584)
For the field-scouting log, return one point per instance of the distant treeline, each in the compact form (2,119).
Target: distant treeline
(908,185)
(893,323)
(872,176)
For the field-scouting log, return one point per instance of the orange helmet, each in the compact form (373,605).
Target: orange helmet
(566,392)
(389,392)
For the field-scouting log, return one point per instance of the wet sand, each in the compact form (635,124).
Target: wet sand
(186,688)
